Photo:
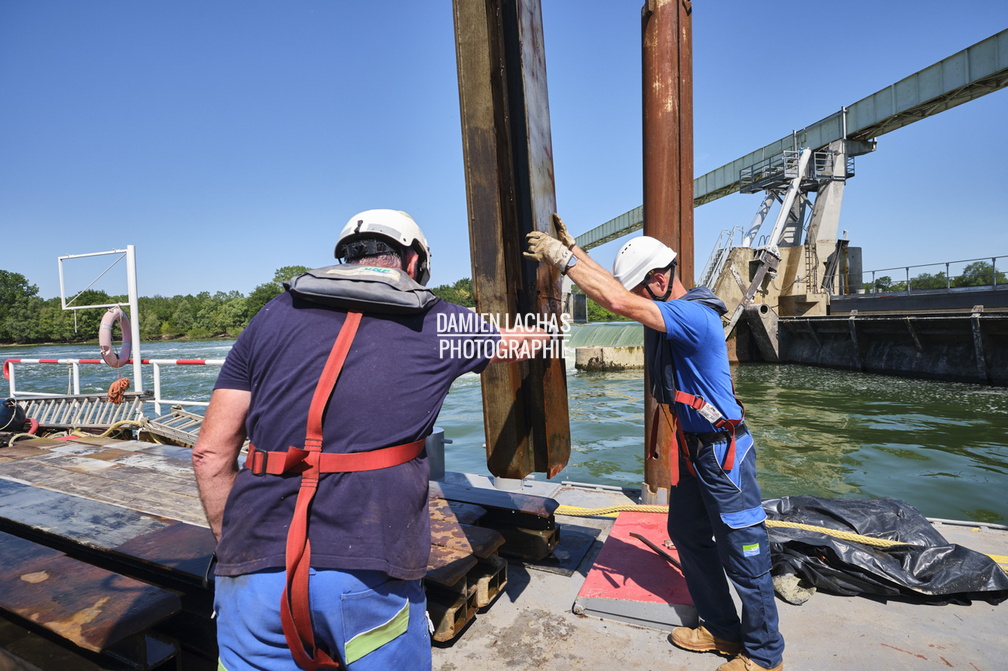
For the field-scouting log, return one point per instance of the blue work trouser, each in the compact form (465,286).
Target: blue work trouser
(375,622)
(717,522)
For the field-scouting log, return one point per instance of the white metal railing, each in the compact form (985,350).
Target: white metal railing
(73,372)
(718,256)
(906,284)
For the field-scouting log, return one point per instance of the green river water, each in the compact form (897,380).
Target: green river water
(942,447)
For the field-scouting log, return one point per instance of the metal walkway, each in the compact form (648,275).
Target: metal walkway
(95,411)
(83,411)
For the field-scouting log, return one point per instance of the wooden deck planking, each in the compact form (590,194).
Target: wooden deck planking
(147,492)
(92,607)
(94,524)
(477,541)
(150,483)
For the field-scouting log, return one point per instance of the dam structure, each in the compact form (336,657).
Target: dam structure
(798,293)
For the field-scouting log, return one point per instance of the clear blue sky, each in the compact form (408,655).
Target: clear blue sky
(227,139)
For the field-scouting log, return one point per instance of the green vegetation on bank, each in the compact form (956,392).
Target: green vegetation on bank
(26,318)
(976,274)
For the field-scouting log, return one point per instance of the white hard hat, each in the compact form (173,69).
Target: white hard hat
(639,256)
(393,225)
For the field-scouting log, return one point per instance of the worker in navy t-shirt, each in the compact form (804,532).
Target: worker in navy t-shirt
(716,495)
(369,529)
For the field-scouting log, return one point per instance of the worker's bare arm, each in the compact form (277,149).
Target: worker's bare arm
(215,455)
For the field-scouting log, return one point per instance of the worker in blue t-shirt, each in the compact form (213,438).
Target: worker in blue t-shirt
(716,495)
(336,383)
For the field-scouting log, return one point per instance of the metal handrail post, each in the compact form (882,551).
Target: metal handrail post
(131,284)
(75,367)
(157,387)
(10,379)
(908,279)
(948,277)
(994,270)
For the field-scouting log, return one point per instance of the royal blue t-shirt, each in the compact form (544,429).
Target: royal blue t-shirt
(395,378)
(691,354)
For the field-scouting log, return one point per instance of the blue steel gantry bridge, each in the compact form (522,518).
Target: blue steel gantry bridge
(798,294)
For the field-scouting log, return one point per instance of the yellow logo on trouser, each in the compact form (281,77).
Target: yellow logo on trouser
(369,641)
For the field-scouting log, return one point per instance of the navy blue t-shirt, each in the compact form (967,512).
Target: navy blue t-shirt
(394,380)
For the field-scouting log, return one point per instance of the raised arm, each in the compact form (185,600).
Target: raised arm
(590,277)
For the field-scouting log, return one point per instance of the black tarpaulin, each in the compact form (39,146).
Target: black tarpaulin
(925,566)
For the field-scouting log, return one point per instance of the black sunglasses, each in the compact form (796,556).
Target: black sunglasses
(652,273)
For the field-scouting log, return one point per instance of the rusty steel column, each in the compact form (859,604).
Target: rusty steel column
(508,153)
(667,45)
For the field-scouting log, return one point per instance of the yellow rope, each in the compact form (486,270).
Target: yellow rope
(844,535)
(574,511)
(19,436)
(120,424)
(81,434)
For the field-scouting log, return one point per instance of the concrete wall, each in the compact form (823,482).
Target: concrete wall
(954,300)
(966,348)
(608,358)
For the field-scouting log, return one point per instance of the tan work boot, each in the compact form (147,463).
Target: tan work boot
(743,663)
(700,640)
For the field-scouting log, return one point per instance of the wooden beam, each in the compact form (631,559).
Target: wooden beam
(507,149)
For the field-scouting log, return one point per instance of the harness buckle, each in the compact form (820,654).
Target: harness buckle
(257,462)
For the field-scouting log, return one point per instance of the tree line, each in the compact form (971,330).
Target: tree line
(976,274)
(26,318)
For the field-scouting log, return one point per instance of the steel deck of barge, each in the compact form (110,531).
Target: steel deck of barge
(158,530)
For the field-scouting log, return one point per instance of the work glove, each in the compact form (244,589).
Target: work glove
(562,234)
(544,248)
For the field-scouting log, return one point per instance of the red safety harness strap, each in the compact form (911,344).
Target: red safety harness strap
(294,460)
(311,462)
(711,413)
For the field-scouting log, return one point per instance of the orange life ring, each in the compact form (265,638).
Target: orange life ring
(108,353)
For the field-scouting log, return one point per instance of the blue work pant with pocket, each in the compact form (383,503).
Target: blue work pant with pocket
(716,521)
(375,622)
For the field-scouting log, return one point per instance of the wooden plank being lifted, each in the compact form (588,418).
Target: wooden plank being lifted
(508,151)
